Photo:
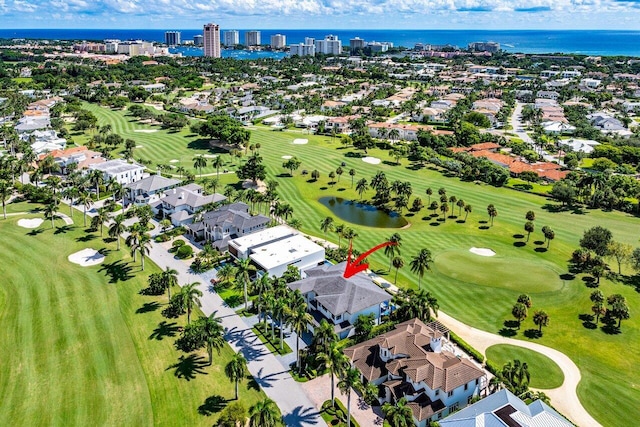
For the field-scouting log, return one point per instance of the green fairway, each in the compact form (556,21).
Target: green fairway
(607,361)
(498,272)
(81,346)
(545,374)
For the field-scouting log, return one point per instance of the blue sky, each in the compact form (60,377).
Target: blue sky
(346,14)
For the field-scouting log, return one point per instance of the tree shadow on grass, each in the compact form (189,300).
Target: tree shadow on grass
(148,307)
(538,242)
(587,321)
(35,232)
(187,367)
(512,324)
(460,221)
(118,271)
(434,224)
(483,227)
(567,276)
(532,333)
(64,229)
(519,244)
(484,222)
(86,238)
(518,236)
(508,332)
(164,329)
(324,188)
(341,189)
(590,282)
(212,405)
(541,250)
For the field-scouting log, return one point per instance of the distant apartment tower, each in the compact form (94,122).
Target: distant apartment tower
(111,45)
(252,38)
(329,46)
(278,41)
(172,38)
(212,40)
(356,45)
(302,49)
(484,47)
(231,38)
(198,40)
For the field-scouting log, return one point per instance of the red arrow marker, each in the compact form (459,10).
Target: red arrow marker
(356,267)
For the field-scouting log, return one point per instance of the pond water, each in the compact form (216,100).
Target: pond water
(362,214)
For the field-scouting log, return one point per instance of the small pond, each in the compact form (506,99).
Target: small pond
(362,214)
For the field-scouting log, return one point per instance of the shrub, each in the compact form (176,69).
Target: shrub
(162,238)
(178,243)
(184,252)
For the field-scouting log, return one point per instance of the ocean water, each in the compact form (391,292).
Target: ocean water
(587,42)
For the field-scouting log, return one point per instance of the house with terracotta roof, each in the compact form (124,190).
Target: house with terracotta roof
(415,361)
(406,132)
(82,156)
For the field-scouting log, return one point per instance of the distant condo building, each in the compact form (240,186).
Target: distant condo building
(231,38)
(356,45)
(198,40)
(212,40)
(172,38)
(302,49)
(135,48)
(484,47)
(252,38)
(378,47)
(111,45)
(278,41)
(329,46)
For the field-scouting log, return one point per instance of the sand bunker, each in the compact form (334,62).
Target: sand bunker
(300,141)
(287,157)
(86,257)
(174,161)
(210,156)
(371,160)
(146,130)
(139,146)
(482,251)
(30,223)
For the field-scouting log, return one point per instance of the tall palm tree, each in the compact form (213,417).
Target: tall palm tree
(135,231)
(350,380)
(467,210)
(96,178)
(191,297)
(350,235)
(398,415)
(99,219)
(540,319)
(264,414)
(299,320)
(236,370)
(262,286)
(117,228)
(226,273)
(70,193)
(169,278)
(336,362)
(361,187)
(244,267)
(216,163)
(397,263)
(50,212)
(493,212)
(519,311)
(429,192)
(326,225)
(323,336)
(6,189)
(142,247)
(352,173)
(213,334)
(339,229)
(421,263)
(393,250)
(199,162)
(87,202)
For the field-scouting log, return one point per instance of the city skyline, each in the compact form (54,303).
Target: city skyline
(320,14)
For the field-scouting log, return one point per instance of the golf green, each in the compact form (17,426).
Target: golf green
(545,373)
(516,274)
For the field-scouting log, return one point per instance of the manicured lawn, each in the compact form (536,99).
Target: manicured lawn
(607,361)
(545,374)
(81,346)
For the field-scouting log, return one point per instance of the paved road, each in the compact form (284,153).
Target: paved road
(564,397)
(274,378)
(518,129)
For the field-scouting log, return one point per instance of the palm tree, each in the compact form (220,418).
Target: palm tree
(467,210)
(460,204)
(352,173)
(244,267)
(519,311)
(336,362)
(96,178)
(50,212)
(326,225)
(339,229)
(529,228)
(398,415)
(323,336)
(226,273)
(361,187)
(6,189)
(216,163)
(393,250)
(101,217)
(142,247)
(349,234)
(191,296)
(135,231)
(299,320)
(199,162)
(117,228)
(169,278)
(394,134)
(213,334)
(350,379)
(421,263)
(70,193)
(281,310)
(429,192)
(236,370)
(397,263)
(540,318)
(87,202)
(444,208)
(264,414)
(493,212)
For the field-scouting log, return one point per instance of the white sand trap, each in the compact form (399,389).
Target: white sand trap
(287,157)
(86,257)
(146,130)
(30,223)
(482,251)
(210,156)
(139,146)
(371,160)
(174,161)
(300,141)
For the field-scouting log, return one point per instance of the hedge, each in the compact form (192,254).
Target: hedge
(184,252)
(466,347)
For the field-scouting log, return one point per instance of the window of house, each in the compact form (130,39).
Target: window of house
(454,407)
(466,387)
(437,392)
(477,381)
(449,394)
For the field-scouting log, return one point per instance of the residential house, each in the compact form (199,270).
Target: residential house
(405,132)
(339,300)
(150,189)
(43,141)
(415,361)
(181,203)
(504,409)
(81,156)
(120,171)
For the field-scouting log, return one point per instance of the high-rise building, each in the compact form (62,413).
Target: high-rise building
(252,38)
(278,41)
(212,40)
(302,49)
(356,45)
(172,38)
(484,47)
(231,38)
(329,46)
(198,40)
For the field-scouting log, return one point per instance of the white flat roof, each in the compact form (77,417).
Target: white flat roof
(252,240)
(286,251)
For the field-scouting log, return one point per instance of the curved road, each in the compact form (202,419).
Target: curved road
(564,397)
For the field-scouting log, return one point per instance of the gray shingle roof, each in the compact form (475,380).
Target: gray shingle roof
(153,183)
(337,294)
(182,197)
(235,215)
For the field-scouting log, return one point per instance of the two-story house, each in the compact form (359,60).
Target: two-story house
(411,361)
(341,300)
(150,189)
(181,203)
